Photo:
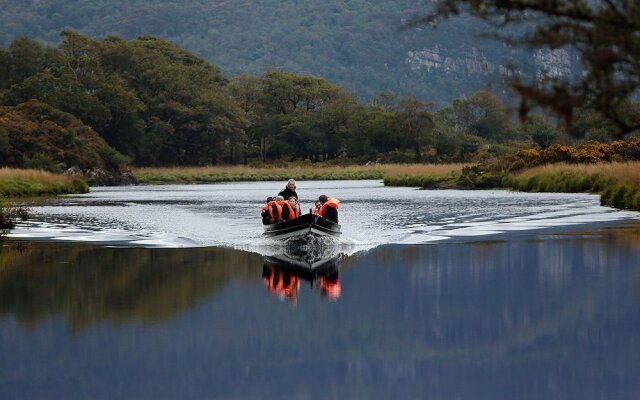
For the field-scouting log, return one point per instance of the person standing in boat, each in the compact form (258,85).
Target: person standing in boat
(289,190)
(329,208)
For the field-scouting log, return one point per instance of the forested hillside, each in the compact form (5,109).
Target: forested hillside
(159,104)
(356,44)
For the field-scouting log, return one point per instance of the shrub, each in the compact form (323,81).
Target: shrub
(79,186)
(41,161)
(9,215)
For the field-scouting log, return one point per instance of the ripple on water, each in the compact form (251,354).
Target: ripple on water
(227,215)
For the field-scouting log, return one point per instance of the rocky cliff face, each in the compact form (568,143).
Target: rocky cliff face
(438,58)
(553,63)
(472,61)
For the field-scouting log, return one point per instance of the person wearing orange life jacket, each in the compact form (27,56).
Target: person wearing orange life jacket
(290,209)
(280,201)
(329,208)
(272,211)
(264,212)
(316,208)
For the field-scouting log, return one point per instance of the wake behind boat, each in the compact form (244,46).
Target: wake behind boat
(303,225)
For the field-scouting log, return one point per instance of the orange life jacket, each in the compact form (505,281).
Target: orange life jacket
(331,202)
(278,214)
(292,213)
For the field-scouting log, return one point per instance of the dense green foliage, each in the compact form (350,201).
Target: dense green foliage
(160,105)
(37,136)
(147,98)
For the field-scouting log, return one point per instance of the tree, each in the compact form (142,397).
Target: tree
(370,135)
(24,58)
(38,135)
(245,89)
(188,115)
(483,115)
(541,131)
(300,106)
(414,122)
(604,33)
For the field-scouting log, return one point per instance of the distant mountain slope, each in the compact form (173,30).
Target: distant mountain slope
(357,44)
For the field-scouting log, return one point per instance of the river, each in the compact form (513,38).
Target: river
(167,292)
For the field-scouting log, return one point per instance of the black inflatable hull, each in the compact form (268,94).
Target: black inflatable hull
(301,226)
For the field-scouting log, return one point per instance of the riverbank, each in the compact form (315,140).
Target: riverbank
(215,174)
(32,183)
(20,183)
(618,183)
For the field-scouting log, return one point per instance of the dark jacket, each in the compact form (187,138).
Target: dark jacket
(332,214)
(286,193)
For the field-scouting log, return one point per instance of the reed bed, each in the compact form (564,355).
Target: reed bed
(628,172)
(28,183)
(296,171)
(617,183)
(426,176)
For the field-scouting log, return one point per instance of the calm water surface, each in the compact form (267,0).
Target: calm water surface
(227,215)
(441,295)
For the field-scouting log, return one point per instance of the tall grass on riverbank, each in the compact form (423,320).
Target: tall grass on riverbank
(432,176)
(283,173)
(31,183)
(618,183)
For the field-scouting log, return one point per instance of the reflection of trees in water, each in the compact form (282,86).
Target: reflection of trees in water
(416,320)
(89,284)
(491,298)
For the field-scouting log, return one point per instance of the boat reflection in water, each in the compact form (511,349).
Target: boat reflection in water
(311,260)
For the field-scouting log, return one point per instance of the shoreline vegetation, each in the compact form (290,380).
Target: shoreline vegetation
(618,183)
(33,183)
(299,171)
(21,183)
